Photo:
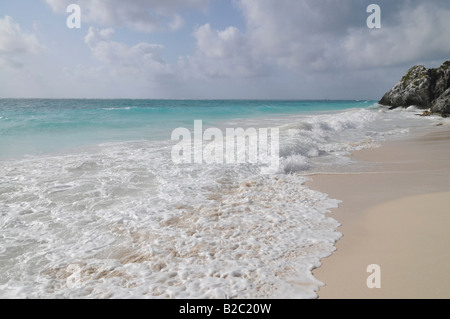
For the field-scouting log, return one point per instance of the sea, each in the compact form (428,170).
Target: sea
(92,204)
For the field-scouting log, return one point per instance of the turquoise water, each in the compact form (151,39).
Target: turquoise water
(35,126)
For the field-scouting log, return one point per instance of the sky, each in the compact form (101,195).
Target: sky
(216,49)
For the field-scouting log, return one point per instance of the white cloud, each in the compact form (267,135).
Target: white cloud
(219,44)
(322,46)
(293,33)
(280,36)
(140,15)
(15,43)
(326,35)
(423,33)
(288,48)
(221,53)
(142,59)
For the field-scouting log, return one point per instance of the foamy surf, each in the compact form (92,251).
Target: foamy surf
(116,227)
(121,220)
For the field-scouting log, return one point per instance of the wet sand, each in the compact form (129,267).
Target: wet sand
(396,214)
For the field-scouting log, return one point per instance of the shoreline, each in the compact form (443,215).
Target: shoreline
(394,213)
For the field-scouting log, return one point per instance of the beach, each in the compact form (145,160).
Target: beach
(198,150)
(94,205)
(395,214)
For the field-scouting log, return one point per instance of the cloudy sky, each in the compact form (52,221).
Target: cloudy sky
(206,49)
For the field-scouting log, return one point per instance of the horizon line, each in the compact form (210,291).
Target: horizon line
(186,99)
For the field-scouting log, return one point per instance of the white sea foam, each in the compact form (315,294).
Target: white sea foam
(126,108)
(122,221)
(137,226)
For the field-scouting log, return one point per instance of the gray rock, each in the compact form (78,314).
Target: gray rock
(442,79)
(422,87)
(412,89)
(442,104)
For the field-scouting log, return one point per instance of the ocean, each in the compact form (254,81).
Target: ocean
(92,204)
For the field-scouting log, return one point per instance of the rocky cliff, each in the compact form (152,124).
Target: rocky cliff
(424,88)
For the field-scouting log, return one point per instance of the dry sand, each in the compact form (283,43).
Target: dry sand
(396,214)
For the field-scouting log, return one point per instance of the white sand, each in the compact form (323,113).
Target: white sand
(396,215)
